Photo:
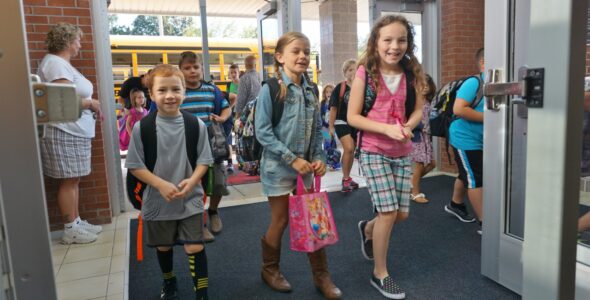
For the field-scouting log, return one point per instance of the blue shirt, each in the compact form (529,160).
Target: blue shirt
(204,101)
(465,134)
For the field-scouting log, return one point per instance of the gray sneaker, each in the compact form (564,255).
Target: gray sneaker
(96,229)
(215,223)
(460,213)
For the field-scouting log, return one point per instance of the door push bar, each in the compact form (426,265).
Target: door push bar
(529,88)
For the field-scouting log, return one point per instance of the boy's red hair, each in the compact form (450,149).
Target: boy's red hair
(164,70)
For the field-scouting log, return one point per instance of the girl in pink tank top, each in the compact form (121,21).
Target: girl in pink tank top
(386,105)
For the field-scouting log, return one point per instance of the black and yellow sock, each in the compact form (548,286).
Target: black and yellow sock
(165,261)
(197,263)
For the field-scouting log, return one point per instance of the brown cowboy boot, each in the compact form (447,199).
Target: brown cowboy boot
(321,276)
(270,268)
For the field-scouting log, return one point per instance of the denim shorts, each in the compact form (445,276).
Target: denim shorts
(278,178)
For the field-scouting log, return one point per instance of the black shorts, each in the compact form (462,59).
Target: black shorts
(343,130)
(175,232)
(470,165)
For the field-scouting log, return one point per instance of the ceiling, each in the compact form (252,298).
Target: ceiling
(217,8)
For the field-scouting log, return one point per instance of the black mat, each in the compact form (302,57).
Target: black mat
(432,255)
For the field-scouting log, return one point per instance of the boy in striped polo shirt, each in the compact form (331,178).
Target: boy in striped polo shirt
(202,99)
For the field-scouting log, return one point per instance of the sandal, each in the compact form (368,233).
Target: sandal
(416,198)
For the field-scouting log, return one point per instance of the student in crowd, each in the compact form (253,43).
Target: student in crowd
(422,152)
(324,107)
(395,84)
(232,97)
(135,83)
(132,116)
(201,100)
(292,148)
(66,147)
(339,124)
(173,207)
(466,139)
(249,85)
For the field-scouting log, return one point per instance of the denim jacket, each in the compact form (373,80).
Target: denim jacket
(299,129)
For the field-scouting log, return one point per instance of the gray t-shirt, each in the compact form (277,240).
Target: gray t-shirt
(172,165)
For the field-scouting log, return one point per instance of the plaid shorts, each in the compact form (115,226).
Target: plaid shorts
(389,181)
(64,155)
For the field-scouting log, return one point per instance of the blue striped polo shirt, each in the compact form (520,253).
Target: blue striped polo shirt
(201,101)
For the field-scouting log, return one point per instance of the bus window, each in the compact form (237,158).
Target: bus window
(234,58)
(146,61)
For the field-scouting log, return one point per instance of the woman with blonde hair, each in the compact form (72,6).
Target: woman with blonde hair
(65,148)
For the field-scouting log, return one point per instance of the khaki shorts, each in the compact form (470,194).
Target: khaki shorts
(175,232)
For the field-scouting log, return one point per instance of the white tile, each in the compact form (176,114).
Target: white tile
(89,288)
(57,256)
(116,283)
(118,263)
(120,248)
(56,269)
(57,245)
(121,234)
(249,190)
(89,252)
(83,269)
(234,194)
(120,296)
(104,237)
(110,226)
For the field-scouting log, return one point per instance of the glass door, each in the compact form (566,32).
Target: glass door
(532,145)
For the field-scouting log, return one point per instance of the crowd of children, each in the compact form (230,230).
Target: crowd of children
(382,108)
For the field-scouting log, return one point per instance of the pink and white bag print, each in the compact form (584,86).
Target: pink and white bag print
(311,221)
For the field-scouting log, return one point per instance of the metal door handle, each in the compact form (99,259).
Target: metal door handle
(529,87)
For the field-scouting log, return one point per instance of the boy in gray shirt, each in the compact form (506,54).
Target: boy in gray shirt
(172,201)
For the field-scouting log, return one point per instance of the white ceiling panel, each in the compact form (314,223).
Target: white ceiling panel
(218,8)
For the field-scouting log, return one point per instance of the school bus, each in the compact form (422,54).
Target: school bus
(135,55)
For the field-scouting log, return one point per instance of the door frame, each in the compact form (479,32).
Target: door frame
(544,264)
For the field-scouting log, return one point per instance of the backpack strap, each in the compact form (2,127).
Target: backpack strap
(479,95)
(191,132)
(277,106)
(149,139)
(410,94)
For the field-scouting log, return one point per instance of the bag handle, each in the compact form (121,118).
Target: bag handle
(316,185)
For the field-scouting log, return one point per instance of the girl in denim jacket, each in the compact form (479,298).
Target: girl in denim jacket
(293,147)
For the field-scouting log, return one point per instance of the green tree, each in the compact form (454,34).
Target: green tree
(145,25)
(249,32)
(115,28)
(180,26)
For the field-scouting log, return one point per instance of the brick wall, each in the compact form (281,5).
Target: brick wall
(40,15)
(461,35)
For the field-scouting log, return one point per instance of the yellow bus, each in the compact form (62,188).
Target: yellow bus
(135,55)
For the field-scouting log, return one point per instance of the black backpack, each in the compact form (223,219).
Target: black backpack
(135,187)
(442,114)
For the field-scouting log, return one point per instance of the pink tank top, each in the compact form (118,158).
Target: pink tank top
(390,109)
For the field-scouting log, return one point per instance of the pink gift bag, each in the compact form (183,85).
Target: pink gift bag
(311,221)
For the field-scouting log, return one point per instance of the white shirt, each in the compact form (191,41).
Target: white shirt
(392,82)
(52,68)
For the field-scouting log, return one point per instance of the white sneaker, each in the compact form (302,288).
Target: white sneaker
(96,229)
(77,235)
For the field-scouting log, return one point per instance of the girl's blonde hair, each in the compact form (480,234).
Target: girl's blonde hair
(283,41)
(347,64)
(371,60)
(60,36)
(324,98)
(133,96)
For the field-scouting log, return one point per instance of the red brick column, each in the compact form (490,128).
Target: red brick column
(462,34)
(40,15)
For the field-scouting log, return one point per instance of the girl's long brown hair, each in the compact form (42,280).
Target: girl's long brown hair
(371,60)
(283,41)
